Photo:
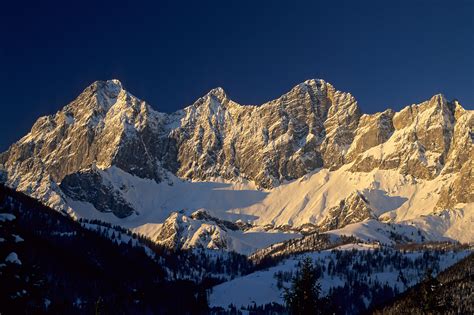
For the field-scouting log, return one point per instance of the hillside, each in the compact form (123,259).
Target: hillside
(354,276)
(451,292)
(50,263)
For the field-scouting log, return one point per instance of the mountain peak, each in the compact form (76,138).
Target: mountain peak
(111,88)
(215,95)
(315,81)
(439,101)
(217,92)
(216,153)
(105,93)
(438,98)
(311,83)
(315,87)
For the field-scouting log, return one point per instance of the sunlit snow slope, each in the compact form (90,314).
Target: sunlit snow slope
(218,174)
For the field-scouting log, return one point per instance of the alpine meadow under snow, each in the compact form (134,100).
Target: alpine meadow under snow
(304,175)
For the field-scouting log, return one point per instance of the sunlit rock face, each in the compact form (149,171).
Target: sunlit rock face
(105,126)
(372,130)
(420,143)
(181,231)
(311,129)
(461,190)
(311,126)
(352,209)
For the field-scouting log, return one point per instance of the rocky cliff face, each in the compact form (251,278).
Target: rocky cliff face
(312,126)
(309,127)
(372,131)
(461,190)
(90,186)
(104,126)
(420,143)
(196,231)
(352,209)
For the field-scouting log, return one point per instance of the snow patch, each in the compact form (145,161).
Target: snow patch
(13,259)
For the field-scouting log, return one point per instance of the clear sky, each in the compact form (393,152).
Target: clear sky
(386,53)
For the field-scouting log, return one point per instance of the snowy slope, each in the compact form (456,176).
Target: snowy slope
(307,161)
(260,287)
(392,196)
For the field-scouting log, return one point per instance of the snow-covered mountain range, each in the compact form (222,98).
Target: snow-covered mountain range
(218,174)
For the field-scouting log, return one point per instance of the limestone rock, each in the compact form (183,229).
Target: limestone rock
(419,144)
(90,186)
(352,209)
(310,127)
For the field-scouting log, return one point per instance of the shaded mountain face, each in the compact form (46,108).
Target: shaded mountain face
(90,186)
(312,127)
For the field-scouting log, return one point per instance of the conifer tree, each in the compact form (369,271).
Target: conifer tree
(303,296)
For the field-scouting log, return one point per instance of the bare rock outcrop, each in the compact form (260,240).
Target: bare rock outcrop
(310,127)
(355,208)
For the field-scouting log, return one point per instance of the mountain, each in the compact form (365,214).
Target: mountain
(449,293)
(307,161)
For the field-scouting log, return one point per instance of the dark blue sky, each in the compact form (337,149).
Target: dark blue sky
(386,53)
